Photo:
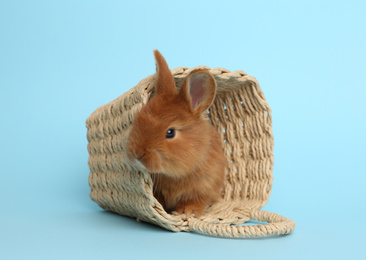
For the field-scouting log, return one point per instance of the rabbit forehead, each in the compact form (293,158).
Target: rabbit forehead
(167,112)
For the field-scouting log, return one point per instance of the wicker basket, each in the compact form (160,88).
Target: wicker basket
(243,118)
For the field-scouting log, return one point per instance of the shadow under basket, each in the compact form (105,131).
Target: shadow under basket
(242,117)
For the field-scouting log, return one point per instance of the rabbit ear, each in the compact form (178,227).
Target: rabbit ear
(199,89)
(165,84)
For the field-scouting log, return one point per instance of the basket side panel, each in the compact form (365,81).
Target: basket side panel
(243,119)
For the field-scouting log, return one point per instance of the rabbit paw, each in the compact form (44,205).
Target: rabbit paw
(190,210)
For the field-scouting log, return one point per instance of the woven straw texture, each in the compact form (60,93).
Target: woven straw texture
(241,115)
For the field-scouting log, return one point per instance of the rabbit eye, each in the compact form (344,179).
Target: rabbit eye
(170,133)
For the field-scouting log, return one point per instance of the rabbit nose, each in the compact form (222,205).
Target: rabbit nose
(139,156)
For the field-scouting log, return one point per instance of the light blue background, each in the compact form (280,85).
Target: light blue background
(60,60)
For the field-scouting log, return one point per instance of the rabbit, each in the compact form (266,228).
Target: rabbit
(172,138)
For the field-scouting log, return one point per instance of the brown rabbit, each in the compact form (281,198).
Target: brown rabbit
(172,138)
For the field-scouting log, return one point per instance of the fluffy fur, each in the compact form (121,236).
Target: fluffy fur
(188,170)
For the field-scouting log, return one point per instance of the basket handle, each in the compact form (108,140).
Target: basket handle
(277,225)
